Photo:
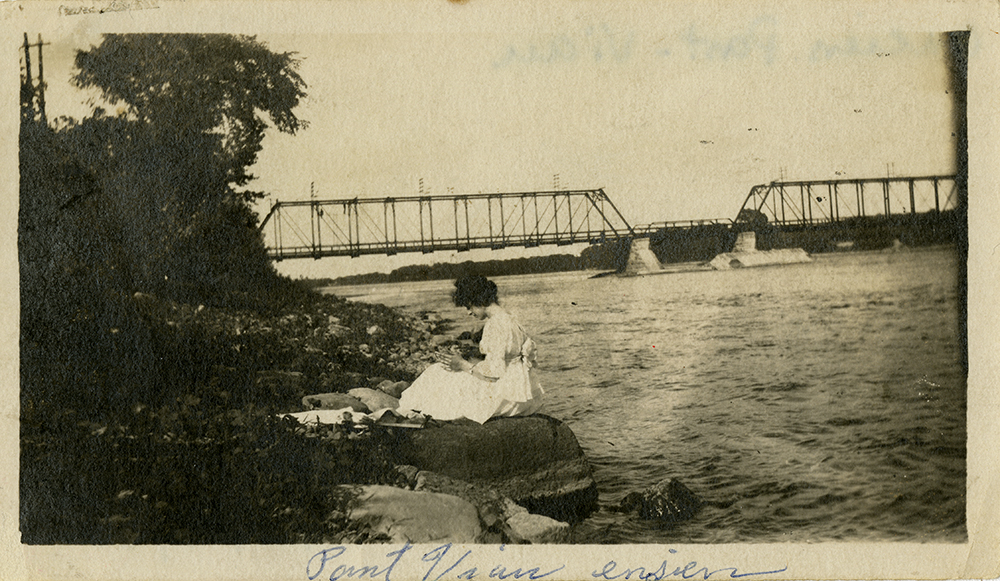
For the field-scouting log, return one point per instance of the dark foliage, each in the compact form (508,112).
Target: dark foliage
(191,472)
(700,243)
(161,216)
(150,313)
(194,85)
(868,233)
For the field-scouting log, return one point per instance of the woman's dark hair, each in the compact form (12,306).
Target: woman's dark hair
(474,291)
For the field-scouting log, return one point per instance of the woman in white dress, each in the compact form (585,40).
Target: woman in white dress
(502,384)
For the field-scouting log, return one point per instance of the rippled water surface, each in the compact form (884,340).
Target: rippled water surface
(813,402)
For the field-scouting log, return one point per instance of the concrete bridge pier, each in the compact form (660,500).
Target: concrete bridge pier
(746,242)
(641,259)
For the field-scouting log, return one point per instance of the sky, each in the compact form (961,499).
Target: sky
(676,119)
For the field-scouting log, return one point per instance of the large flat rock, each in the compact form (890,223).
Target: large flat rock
(535,461)
(416,517)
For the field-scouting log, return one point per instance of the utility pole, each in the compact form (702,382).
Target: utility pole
(41,81)
(30,91)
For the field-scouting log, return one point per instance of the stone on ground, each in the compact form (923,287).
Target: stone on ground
(416,517)
(393,388)
(668,501)
(488,502)
(374,399)
(536,461)
(536,529)
(333,401)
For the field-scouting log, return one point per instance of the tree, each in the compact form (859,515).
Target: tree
(752,218)
(169,166)
(194,87)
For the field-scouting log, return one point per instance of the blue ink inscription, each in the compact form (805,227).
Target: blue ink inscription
(611,570)
(595,44)
(330,564)
(877,45)
(351,571)
(758,39)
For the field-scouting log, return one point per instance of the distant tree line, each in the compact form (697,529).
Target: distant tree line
(609,256)
(698,244)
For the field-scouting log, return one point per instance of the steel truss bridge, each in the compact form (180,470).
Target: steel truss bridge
(797,204)
(461,222)
(355,227)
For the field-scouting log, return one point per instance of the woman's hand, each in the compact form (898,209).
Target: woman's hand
(452,361)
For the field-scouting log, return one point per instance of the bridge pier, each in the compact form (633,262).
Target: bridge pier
(641,259)
(746,242)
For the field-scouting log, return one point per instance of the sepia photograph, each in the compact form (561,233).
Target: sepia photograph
(456,289)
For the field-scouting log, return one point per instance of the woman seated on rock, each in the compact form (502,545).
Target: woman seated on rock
(503,384)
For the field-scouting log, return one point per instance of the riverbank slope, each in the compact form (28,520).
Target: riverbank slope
(168,441)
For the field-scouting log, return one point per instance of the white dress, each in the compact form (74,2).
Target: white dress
(509,356)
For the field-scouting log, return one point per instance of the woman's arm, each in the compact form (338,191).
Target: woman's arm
(456,363)
(476,373)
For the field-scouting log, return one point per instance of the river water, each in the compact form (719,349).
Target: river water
(812,402)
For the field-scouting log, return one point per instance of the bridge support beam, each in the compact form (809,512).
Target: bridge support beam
(641,259)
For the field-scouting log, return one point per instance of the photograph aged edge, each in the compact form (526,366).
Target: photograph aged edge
(978,557)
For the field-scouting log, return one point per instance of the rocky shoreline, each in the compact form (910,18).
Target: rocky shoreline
(510,480)
(174,460)
(457,489)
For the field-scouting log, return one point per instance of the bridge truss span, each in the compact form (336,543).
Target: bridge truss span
(454,222)
(800,203)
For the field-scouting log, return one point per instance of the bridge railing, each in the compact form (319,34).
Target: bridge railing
(457,222)
(816,202)
(653,227)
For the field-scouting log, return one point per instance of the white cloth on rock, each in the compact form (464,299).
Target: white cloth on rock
(509,357)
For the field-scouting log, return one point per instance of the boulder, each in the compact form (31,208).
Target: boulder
(393,388)
(491,506)
(415,517)
(535,529)
(334,401)
(375,381)
(535,461)
(498,514)
(374,399)
(408,473)
(668,501)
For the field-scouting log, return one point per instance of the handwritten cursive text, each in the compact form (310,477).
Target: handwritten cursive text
(441,566)
(113,6)
(611,570)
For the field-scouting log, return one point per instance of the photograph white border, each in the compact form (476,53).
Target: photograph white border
(978,558)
